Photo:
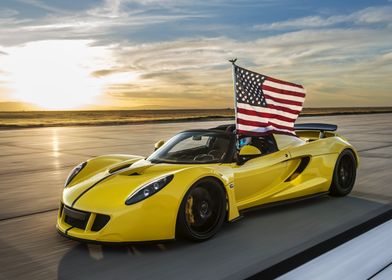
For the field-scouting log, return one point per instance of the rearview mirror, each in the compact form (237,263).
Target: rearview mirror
(196,138)
(158,144)
(246,153)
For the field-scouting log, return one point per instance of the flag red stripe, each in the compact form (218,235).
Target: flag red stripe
(272,108)
(284,109)
(264,115)
(291,107)
(283,91)
(261,124)
(254,133)
(283,82)
(280,100)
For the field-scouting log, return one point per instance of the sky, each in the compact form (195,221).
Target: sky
(148,54)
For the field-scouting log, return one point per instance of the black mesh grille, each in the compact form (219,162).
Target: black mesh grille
(99,222)
(76,218)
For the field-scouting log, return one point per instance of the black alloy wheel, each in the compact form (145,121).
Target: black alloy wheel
(202,211)
(344,174)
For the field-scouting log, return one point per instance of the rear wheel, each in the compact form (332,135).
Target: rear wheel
(344,174)
(202,211)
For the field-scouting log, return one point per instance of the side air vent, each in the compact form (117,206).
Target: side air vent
(134,174)
(118,168)
(301,167)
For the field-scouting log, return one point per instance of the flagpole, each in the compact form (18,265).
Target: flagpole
(235,91)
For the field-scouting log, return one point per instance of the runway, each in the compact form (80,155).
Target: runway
(35,163)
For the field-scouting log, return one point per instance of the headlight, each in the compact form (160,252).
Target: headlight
(148,189)
(74,172)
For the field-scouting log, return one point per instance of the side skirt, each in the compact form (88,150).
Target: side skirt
(283,202)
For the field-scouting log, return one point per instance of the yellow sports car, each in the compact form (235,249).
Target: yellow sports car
(200,179)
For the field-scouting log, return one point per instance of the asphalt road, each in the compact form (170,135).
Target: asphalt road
(35,162)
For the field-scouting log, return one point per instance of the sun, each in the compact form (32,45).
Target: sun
(56,74)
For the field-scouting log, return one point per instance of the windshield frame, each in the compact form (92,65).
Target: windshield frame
(228,157)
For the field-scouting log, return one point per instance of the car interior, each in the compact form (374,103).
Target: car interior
(266,144)
(200,148)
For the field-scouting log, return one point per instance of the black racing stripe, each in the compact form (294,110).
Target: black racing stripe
(92,186)
(66,231)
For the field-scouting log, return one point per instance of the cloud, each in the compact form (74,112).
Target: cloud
(295,48)
(387,57)
(42,5)
(115,20)
(334,65)
(340,58)
(109,9)
(374,15)
(102,23)
(7,13)
(300,23)
(371,15)
(105,72)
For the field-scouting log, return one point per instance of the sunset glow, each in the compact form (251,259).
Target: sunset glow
(55,74)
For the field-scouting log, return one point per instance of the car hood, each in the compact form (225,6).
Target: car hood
(108,188)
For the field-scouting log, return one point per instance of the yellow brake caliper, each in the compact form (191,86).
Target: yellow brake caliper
(188,211)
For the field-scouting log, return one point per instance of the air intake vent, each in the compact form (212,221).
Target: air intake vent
(118,168)
(301,167)
(99,222)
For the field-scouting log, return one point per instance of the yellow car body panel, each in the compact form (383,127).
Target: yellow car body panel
(102,187)
(150,219)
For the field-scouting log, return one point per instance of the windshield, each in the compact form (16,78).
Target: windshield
(193,147)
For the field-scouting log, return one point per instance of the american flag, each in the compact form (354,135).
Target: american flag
(265,104)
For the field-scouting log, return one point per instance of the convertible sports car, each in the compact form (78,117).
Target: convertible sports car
(198,180)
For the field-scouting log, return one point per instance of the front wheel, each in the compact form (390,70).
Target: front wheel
(344,174)
(202,211)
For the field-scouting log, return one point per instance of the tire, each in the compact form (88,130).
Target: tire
(202,211)
(344,174)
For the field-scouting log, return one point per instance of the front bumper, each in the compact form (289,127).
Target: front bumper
(132,224)
(109,243)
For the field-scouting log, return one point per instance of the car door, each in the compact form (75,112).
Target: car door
(259,178)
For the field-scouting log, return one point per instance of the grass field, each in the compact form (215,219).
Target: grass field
(25,119)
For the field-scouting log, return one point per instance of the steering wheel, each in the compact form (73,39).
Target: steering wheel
(203,157)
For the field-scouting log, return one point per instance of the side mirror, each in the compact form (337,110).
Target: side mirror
(158,144)
(246,153)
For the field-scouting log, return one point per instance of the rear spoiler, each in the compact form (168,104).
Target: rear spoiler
(316,126)
(322,127)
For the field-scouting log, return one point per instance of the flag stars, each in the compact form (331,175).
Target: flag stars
(248,88)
